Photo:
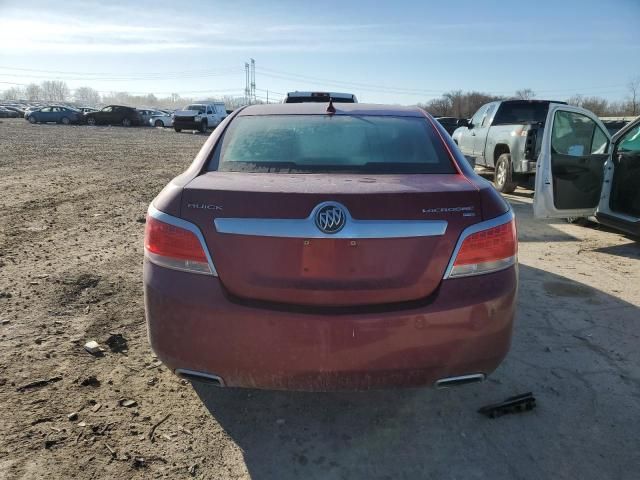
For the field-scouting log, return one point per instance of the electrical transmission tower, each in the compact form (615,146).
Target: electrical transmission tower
(253,80)
(247,88)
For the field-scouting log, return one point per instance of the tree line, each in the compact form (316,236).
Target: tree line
(464,104)
(58,91)
(456,103)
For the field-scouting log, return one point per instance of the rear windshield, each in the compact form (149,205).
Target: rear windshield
(324,143)
(197,108)
(521,112)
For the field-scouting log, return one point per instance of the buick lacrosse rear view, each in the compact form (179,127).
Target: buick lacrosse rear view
(319,247)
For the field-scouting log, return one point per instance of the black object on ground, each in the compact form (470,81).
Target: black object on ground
(515,404)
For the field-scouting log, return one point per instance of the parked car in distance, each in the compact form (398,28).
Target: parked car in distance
(87,109)
(583,172)
(8,113)
(114,115)
(19,111)
(54,113)
(450,123)
(312,249)
(320,97)
(146,114)
(613,126)
(506,137)
(199,116)
(161,118)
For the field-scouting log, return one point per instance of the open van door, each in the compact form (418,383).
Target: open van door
(570,168)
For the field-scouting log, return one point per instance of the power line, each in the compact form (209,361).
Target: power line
(410,91)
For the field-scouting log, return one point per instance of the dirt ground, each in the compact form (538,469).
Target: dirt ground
(72,207)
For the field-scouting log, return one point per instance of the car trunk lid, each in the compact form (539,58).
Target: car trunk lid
(331,270)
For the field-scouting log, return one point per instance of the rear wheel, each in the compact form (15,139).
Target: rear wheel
(65,121)
(177,129)
(126,122)
(159,123)
(203,126)
(32,119)
(503,177)
(91,121)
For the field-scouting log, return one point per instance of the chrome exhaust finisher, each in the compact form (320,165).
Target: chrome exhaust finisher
(202,377)
(461,380)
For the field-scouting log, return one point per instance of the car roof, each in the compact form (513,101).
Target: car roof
(321,109)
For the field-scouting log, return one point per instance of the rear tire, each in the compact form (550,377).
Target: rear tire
(503,176)
(65,121)
(126,122)
(158,124)
(32,119)
(203,126)
(91,121)
(177,129)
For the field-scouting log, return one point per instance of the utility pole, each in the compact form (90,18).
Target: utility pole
(267,96)
(247,90)
(253,79)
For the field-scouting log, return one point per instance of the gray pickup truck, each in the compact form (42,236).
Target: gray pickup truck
(505,136)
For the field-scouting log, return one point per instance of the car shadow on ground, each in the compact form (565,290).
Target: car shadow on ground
(574,347)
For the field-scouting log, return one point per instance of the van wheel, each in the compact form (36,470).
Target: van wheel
(177,129)
(203,126)
(503,177)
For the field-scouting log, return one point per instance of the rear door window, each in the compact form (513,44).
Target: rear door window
(322,143)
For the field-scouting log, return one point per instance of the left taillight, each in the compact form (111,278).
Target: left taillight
(487,250)
(174,247)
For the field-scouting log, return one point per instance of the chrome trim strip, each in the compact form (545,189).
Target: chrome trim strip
(195,374)
(306,227)
(494,222)
(460,380)
(178,222)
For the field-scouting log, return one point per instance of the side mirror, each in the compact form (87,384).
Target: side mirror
(463,122)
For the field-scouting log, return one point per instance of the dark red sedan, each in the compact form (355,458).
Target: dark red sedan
(319,247)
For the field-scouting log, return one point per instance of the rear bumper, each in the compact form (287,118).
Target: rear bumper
(466,328)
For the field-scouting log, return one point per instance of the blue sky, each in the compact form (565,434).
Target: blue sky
(390,52)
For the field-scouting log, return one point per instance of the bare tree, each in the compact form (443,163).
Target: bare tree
(634,90)
(55,90)
(438,107)
(525,94)
(597,105)
(86,96)
(13,93)
(575,100)
(33,92)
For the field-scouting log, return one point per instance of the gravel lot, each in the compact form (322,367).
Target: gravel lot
(72,214)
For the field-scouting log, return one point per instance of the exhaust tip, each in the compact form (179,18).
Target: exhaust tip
(194,376)
(460,380)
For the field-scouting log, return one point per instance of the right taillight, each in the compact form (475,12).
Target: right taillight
(174,247)
(485,251)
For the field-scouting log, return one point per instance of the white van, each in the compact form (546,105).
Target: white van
(199,116)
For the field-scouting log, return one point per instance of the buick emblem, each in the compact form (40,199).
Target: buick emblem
(331,219)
